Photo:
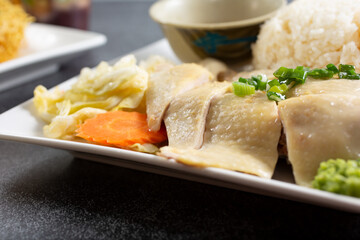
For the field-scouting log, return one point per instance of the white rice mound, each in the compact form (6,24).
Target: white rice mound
(310,33)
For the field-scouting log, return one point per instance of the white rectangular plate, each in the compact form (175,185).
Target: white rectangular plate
(22,124)
(45,47)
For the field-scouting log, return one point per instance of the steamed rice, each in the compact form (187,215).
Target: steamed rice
(311,33)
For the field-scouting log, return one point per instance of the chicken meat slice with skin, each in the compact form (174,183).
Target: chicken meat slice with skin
(320,127)
(168,81)
(219,69)
(241,134)
(332,86)
(186,116)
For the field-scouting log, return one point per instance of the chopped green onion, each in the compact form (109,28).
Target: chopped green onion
(332,67)
(252,82)
(348,72)
(282,89)
(349,69)
(282,73)
(288,75)
(287,78)
(274,82)
(274,96)
(277,92)
(243,80)
(344,75)
(321,73)
(242,89)
(300,74)
(261,82)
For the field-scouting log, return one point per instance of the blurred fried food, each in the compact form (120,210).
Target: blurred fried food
(13,22)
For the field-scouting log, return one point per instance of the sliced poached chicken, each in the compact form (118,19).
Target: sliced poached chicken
(241,134)
(168,81)
(319,127)
(332,86)
(186,116)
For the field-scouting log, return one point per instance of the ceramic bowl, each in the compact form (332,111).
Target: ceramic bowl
(221,29)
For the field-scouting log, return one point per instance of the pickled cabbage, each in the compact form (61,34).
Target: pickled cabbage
(109,87)
(146,148)
(152,62)
(64,126)
(104,88)
(46,103)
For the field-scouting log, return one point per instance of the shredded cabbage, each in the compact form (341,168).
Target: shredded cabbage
(104,88)
(46,102)
(110,87)
(152,62)
(147,148)
(64,126)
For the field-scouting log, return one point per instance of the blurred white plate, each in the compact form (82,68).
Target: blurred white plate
(46,47)
(22,124)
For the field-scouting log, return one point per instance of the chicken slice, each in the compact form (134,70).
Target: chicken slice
(241,134)
(167,82)
(319,127)
(219,69)
(333,86)
(186,116)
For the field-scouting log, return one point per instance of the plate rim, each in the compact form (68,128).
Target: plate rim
(93,39)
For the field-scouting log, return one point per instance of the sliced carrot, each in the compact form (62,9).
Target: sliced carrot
(119,128)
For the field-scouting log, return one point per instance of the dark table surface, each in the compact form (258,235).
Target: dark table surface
(46,193)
